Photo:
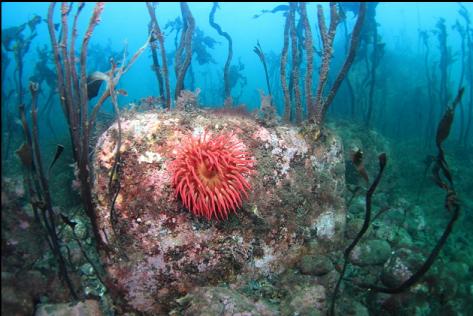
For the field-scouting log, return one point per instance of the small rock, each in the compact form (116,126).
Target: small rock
(308,300)
(459,270)
(403,239)
(371,252)
(446,288)
(211,301)
(76,256)
(16,303)
(315,265)
(402,264)
(86,308)
(20,291)
(81,230)
(385,232)
(350,307)
(353,227)
(358,205)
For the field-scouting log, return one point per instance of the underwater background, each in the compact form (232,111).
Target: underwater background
(402,113)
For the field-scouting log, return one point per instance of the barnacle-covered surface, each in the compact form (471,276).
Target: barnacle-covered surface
(161,251)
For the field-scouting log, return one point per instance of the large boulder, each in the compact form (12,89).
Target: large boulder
(163,250)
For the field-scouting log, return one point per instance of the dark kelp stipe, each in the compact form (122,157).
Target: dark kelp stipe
(38,186)
(76,89)
(443,178)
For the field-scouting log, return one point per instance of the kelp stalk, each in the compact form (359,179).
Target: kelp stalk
(382,164)
(469,73)
(226,69)
(180,66)
(375,58)
(285,89)
(13,41)
(440,172)
(73,97)
(156,66)
(351,91)
(295,62)
(259,51)
(429,128)
(327,45)
(159,36)
(38,186)
(321,106)
(443,63)
(308,45)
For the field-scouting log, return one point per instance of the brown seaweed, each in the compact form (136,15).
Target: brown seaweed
(451,204)
(382,158)
(24,152)
(93,85)
(226,69)
(443,129)
(59,150)
(259,51)
(357,159)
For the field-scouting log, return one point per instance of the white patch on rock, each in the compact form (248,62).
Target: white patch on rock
(401,271)
(263,263)
(198,131)
(355,255)
(287,147)
(325,225)
(150,157)
(333,154)
(263,134)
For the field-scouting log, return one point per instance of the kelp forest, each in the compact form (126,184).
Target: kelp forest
(237,158)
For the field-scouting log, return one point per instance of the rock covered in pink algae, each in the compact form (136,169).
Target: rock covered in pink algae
(163,251)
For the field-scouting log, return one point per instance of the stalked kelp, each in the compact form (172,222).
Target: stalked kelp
(317,105)
(226,69)
(198,45)
(201,43)
(17,41)
(14,40)
(366,223)
(259,51)
(158,37)
(429,77)
(236,76)
(72,88)
(50,218)
(466,32)
(284,87)
(437,72)
(73,85)
(442,177)
(280,250)
(309,48)
(37,184)
(294,78)
(44,73)
(370,35)
(439,95)
(444,63)
(351,91)
(181,61)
